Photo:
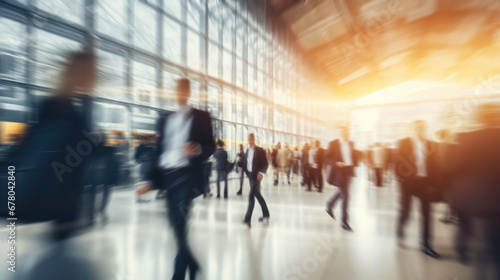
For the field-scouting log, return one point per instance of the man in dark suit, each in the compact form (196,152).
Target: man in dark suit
(343,158)
(416,170)
(305,165)
(185,142)
(255,167)
(220,156)
(318,172)
(474,181)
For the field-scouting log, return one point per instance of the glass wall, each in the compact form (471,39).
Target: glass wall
(242,72)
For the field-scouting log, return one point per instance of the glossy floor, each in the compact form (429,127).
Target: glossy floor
(300,242)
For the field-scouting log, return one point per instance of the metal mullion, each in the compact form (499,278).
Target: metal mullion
(159,50)
(184,27)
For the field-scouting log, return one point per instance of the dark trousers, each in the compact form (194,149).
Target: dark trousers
(255,193)
(242,178)
(343,192)
(305,174)
(221,176)
(179,186)
(415,188)
(310,178)
(318,175)
(315,178)
(378,177)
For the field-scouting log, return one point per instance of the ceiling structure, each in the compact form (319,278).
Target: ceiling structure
(368,45)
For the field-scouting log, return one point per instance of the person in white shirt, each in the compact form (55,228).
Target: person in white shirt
(185,143)
(343,158)
(416,168)
(255,167)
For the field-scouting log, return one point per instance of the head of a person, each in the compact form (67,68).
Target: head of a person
(183,91)
(419,128)
(344,132)
(251,139)
(79,74)
(317,144)
(219,143)
(278,146)
(286,146)
(488,114)
(241,147)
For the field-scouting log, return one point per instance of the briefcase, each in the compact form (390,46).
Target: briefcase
(331,175)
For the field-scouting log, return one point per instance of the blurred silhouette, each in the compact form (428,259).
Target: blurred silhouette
(101,175)
(207,173)
(185,143)
(378,159)
(240,162)
(144,155)
(416,170)
(296,162)
(274,162)
(284,160)
(342,158)
(221,163)
(50,161)
(255,167)
(62,260)
(305,165)
(316,158)
(475,189)
(442,146)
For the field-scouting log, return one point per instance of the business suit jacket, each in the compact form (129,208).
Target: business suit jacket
(259,164)
(319,157)
(220,156)
(305,157)
(201,133)
(333,155)
(474,171)
(406,167)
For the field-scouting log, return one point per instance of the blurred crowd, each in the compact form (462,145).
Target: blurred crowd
(65,170)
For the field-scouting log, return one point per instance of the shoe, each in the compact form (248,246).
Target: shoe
(401,237)
(239,193)
(308,190)
(330,212)
(346,227)
(426,249)
(264,219)
(218,197)
(247,223)
(225,197)
(289,183)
